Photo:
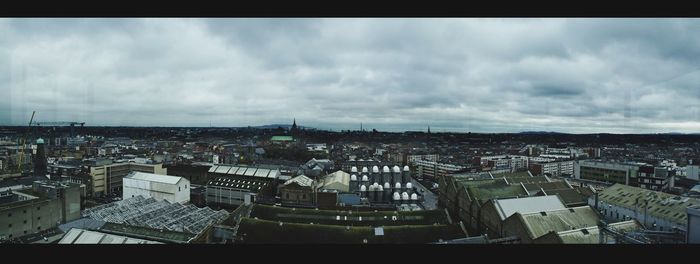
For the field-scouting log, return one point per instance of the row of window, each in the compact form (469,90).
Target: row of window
(24,211)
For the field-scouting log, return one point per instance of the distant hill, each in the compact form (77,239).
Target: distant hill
(541,133)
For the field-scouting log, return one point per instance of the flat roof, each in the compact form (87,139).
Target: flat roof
(136,175)
(508,207)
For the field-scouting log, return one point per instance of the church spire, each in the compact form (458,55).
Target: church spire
(428,129)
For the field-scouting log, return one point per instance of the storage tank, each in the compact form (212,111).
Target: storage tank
(406,174)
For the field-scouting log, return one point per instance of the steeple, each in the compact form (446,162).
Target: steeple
(428,129)
(294,131)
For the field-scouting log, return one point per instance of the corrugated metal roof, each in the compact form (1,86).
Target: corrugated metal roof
(81,236)
(540,223)
(508,207)
(661,205)
(591,235)
(338,180)
(302,180)
(153,177)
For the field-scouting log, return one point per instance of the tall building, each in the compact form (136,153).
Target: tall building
(40,167)
(107,177)
(43,206)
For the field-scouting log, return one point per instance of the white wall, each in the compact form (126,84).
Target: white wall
(692,172)
(174,193)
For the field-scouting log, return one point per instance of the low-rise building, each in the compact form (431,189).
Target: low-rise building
(229,185)
(654,210)
(495,211)
(530,226)
(300,190)
(552,168)
(161,187)
(434,170)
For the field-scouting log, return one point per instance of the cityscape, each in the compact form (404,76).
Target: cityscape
(349,131)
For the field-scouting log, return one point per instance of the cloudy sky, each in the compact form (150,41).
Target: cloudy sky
(479,75)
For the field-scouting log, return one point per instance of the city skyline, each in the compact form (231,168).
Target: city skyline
(454,75)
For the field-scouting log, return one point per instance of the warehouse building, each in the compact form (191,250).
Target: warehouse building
(161,187)
(230,185)
(495,211)
(589,235)
(530,226)
(654,210)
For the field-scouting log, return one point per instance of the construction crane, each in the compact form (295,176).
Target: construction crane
(24,142)
(63,123)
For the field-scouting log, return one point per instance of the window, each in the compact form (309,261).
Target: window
(10,225)
(9,215)
(25,231)
(178,189)
(25,211)
(25,221)
(38,208)
(38,218)
(38,228)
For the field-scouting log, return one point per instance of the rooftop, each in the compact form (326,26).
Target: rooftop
(661,205)
(352,218)
(258,172)
(301,180)
(139,211)
(153,177)
(264,231)
(282,138)
(495,190)
(81,236)
(508,207)
(540,223)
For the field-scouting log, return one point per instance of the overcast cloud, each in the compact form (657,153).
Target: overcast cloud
(479,75)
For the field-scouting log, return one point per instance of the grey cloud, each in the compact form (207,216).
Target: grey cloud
(487,75)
